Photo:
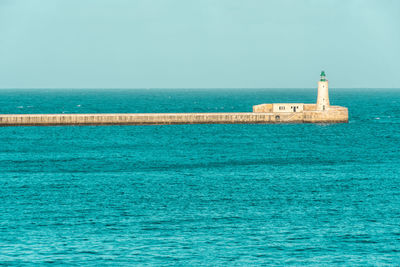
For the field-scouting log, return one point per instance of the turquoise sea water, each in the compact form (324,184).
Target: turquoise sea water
(200,194)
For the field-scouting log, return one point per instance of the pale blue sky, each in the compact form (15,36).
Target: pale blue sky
(199,43)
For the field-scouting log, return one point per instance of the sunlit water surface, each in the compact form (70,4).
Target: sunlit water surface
(200,194)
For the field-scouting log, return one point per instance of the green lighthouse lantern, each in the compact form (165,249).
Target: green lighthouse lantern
(323,78)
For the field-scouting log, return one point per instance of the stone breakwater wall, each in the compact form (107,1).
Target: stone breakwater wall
(334,115)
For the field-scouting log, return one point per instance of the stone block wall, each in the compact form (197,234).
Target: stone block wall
(263,108)
(332,115)
(262,114)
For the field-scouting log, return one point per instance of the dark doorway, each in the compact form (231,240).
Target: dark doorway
(294,109)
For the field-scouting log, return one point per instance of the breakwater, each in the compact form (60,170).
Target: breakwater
(334,115)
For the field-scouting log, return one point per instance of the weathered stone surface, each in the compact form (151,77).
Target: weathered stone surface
(333,115)
(263,108)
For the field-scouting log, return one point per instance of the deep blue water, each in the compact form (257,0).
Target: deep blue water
(200,194)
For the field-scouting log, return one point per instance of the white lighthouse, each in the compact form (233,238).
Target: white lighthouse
(323,93)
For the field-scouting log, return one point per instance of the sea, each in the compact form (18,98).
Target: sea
(208,195)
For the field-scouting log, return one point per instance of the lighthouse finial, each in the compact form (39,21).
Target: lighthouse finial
(323,76)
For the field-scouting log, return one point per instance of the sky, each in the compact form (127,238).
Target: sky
(199,43)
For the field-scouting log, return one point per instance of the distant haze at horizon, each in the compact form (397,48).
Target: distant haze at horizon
(199,44)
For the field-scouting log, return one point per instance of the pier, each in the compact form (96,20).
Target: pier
(333,115)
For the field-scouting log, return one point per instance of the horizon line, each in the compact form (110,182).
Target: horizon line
(189,88)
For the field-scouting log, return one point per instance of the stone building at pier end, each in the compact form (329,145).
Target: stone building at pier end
(320,112)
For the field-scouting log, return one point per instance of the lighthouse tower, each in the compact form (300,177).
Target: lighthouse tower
(323,94)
